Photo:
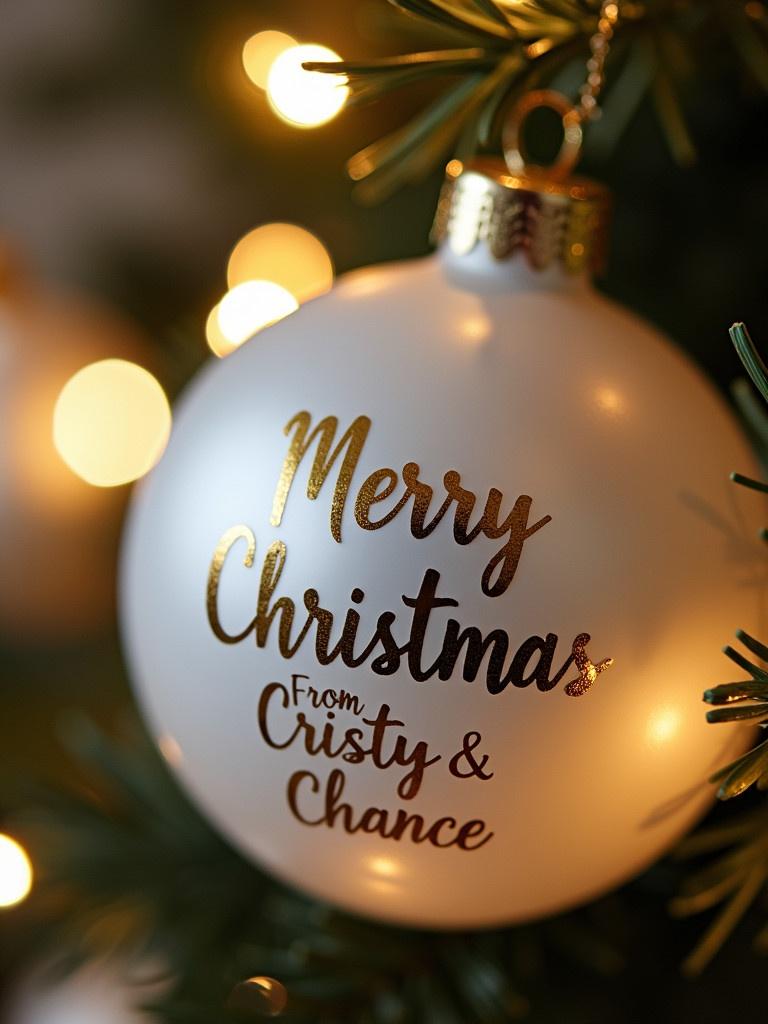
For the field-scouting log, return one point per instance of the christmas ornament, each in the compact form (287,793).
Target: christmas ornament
(421,600)
(57,533)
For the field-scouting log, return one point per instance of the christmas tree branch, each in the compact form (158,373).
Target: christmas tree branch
(734,880)
(750,357)
(510,45)
(738,877)
(126,866)
(745,700)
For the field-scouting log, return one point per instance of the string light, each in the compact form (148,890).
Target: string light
(15,872)
(260,52)
(286,254)
(262,995)
(111,422)
(305,98)
(246,309)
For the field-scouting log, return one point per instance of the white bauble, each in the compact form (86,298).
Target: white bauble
(529,383)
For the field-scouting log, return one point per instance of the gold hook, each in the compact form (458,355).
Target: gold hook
(515,154)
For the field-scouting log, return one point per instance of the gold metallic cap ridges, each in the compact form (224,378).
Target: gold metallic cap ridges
(545,220)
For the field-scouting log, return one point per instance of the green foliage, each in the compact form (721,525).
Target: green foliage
(508,47)
(740,873)
(746,700)
(126,866)
(735,879)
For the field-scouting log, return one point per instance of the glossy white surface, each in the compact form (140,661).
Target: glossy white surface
(522,383)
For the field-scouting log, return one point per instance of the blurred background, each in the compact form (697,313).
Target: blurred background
(138,147)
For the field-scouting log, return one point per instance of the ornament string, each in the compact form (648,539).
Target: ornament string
(513,47)
(573,116)
(599,45)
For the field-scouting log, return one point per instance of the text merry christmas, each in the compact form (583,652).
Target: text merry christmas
(464,647)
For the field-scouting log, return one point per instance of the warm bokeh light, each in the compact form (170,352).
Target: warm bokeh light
(305,98)
(260,52)
(246,309)
(15,872)
(286,254)
(111,422)
(217,343)
(262,995)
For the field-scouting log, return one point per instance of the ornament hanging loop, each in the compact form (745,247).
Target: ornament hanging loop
(515,153)
(572,117)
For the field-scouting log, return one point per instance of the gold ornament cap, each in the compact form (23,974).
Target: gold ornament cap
(512,206)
